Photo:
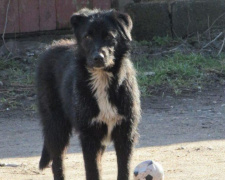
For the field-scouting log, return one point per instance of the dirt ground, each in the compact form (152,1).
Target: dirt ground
(186,134)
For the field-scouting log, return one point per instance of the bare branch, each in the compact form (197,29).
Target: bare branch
(221,46)
(168,51)
(214,22)
(209,30)
(221,33)
(6,21)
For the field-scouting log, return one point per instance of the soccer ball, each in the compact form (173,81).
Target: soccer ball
(148,170)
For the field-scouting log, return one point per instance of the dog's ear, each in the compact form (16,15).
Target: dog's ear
(76,20)
(125,23)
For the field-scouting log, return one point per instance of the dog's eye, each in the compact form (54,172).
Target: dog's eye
(109,37)
(87,36)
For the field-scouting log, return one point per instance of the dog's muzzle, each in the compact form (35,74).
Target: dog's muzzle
(98,60)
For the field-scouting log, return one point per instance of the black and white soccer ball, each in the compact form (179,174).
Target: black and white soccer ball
(148,170)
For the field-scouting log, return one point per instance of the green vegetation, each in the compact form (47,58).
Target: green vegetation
(144,43)
(17,74)
(17,71)
(178,72)
(157,41)
(159,70)
(162,41)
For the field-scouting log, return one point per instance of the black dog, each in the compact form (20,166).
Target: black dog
(91,86)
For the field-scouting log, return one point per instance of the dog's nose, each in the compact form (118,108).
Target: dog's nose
(98,57)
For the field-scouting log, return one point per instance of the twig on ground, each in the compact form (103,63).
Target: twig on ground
(221,33)
(22,89)
(21,85)
(222,46)
(198,36)
(168,51)
(3,90)
(6,21)
(8,165)
(16,90)
(164,52)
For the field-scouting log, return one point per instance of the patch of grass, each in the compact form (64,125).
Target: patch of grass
(9,102)
(32,107)
(17,71)
(8,63)
(157,41)
(162,41)
(144,43)
(17,75)
(177,72)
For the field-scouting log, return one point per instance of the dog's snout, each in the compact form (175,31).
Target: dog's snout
(99,57)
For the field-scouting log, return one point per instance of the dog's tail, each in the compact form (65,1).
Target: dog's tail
(45,158)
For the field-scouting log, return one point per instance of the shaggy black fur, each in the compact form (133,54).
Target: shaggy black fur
(90,86)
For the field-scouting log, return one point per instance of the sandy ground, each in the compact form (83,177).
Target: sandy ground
(185,134)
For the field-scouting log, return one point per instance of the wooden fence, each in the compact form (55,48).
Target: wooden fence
(19,16)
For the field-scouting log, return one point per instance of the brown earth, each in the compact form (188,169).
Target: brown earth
(186,134)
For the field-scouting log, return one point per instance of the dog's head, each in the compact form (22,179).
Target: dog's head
(103,36)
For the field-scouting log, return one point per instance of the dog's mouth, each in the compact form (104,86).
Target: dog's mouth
(100,64)
(96,65)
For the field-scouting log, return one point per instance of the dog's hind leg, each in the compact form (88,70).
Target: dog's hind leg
(56,130)
(57,165)
(56,139)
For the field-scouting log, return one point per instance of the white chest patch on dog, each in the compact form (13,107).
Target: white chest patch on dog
(100,81)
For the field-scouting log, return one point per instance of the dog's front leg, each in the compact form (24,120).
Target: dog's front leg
(92,153)
(123,142)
